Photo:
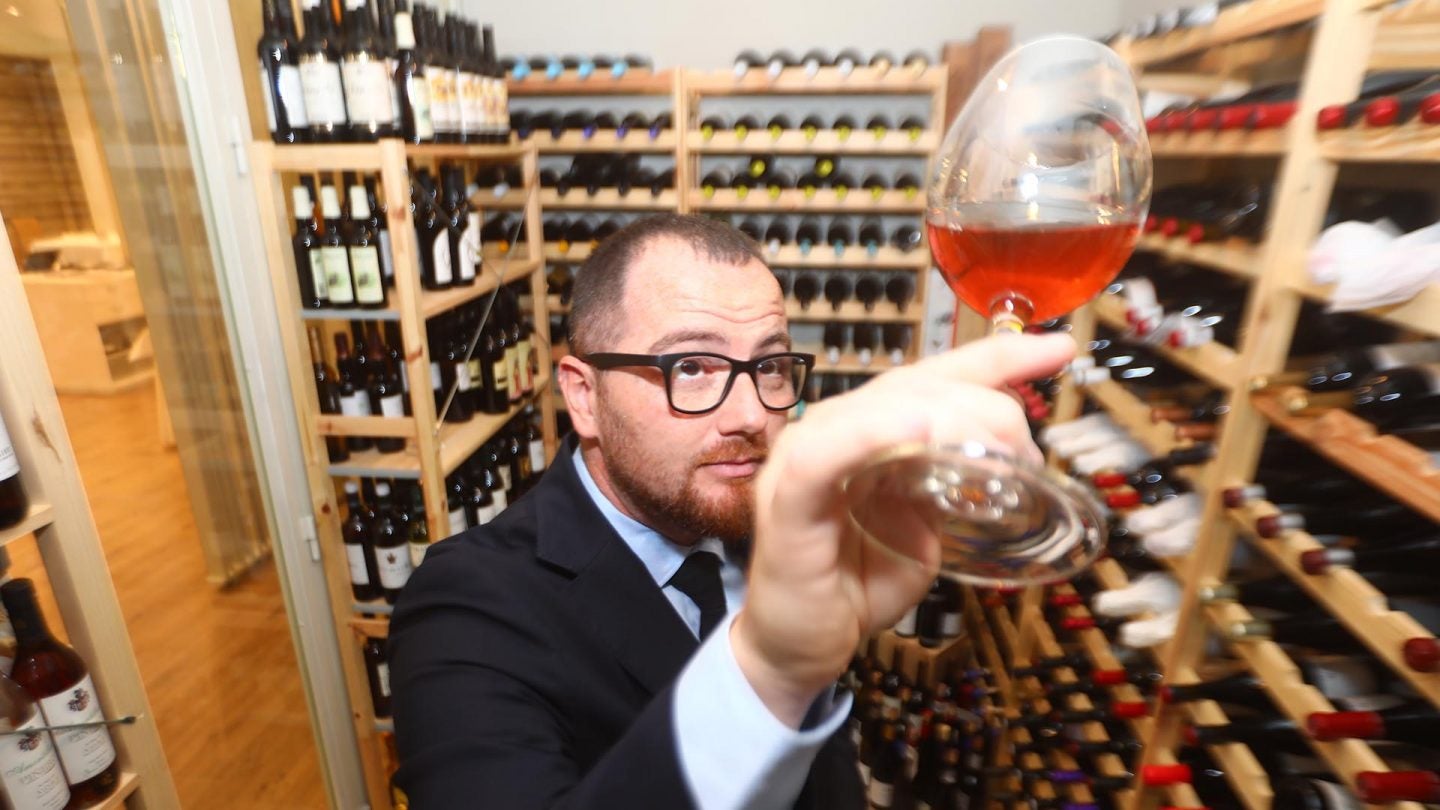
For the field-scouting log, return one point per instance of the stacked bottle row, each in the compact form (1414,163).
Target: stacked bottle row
(839,287)
(878,125)
(923,745)
(777,62)
(774,175)
(496,475)
(840,233)
(367,380)
(1386,99)
(367,70)
(589,123)
(624,173)
(520,68)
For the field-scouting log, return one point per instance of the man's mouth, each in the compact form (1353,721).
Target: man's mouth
(738,467)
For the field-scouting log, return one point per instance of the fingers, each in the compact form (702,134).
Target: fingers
(1003,359)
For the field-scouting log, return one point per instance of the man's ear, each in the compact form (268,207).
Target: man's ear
(577,382)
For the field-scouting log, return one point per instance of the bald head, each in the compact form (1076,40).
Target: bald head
(666,241)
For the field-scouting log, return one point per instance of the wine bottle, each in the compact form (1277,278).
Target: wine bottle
(444,100)
(746,61)
(882,62)
(838,288)
(812,61)
(380,224)
(432,232)
(392,558)
(777,234)
(412,87)
(833,338)
(354,398)
(899,290)
(840,235)
(1386,83)
(907,238)
(917,60)
(907,183)
(455,212)
(896,338)
(1400,395)
(418,534)
(715,180)
(321,85)
(327,390)
(457,375)
(750,226)
(456,503)
(779,180)
(868,290)
(364,77)
(879,125)
(1412,722)
(500,474)
(810,184)
(844,125)
(309,264)
(807,289)
(280,79)
(712,124)
(1350,367)
(778,61)
(930,613)
(865,337)
(362,243)
(377,668)
(887,770)
(807,235)
(1354,519)
(56,677)
(334,250)
(31,777)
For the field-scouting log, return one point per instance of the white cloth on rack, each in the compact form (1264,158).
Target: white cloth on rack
(1176,541)
(1163,515)
(1346,244)
(1124,456)
(1395,275)
(1154,592)
(1150,632)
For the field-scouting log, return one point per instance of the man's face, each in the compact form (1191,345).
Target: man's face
(689,476)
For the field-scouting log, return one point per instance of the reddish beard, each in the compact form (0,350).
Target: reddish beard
(678,506)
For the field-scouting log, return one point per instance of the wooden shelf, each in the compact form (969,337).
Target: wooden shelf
(1398,468)
(1420,314)
(1244,773)
(792,200)
(1412,142)
(434,302)
(115,801)
(633,83)
(458,440)
(1236,257)
(850,363)
(575,255)
(38,517)
(384,725)
(367,157)
(1130,413)
(374,464)
(605,199)
(333,425)
(1239,22)
(1217,143)
(389,313)
(825,142)
(508,153)
(853,312)
(828,81)
(605,140)
(1212,362)
(823,257)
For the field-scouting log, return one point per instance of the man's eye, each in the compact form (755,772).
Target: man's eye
(689,368)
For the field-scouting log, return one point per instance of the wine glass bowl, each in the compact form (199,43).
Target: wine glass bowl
(1035,202)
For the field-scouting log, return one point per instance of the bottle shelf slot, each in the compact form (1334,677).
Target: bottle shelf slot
(988,652)
(792,200)
(635,82)
(605,199)
(1297,700)
(1236,257)
(1347,596)
(38,517)
(434,302)
(606,140)
(824,142)
(1212,362)
(1402,470)
(1220,143)
(851,312)
(458,440)
(333,425)
(1420,314)
(389,313)
(862,80)
(824,256)
(1411,142)
(1241,21)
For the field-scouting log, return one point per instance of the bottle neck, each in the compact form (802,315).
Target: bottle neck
(29,624)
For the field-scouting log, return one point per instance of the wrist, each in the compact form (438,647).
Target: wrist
(788,698)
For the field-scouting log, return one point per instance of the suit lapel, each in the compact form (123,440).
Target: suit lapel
(612,590)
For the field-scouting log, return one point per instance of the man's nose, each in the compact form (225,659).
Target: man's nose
(742,411)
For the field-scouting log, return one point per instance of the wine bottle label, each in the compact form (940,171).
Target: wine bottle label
(404,376)
(476,378)
(470,246)
(318,276)
(292,96)
(84,752)
(864,770)
(462,376)
(9,464)
(29,769)
(516,378)
(394,567)
(367,90)
(439,105)
(392,90)
(485,514)
(526,368)
(502,376)
(419,90)
(505,479)
(474,103)
(441,252)
(537,456)
(365,264)
(392,406)
(387,258)
(337,275)
(436,380)
(265,93)
(356,404)
(355,556)
(458,523)
(880,793)
(950,625)
(417,553)
(323,91)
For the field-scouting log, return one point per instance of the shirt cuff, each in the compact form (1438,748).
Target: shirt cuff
(733,752)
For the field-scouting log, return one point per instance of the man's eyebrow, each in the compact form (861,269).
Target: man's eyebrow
(685,336)
(780,339)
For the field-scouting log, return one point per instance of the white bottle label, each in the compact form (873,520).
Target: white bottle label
(30,771)
(84,752)
(880,794)
(337,275)
(435,378)
(292,95)
(470,245)
(394,566)
(266,94)
(458,523)
(439,105)
(537,456)
(365,264)
(950,624)
(9,464)
(417,553)
(462,376)
(387,258)
(318,276)
(392,406)
(382,677)
(355,556)
(502,501)
(485,514)
(420,107)
(357,404)
(392,91)
(367,91)
(323,91)
(441,252)
(505,477)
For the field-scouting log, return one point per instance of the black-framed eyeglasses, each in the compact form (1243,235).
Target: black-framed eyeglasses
(698,382)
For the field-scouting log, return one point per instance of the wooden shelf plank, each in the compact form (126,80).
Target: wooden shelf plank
(633,83)
(824,142)
(1400,469)
(374,464)
(1127,411)
(1217,143)
(1213,362)
(309,158)
(333,425)
(129,782)
(1239,22)
(434,302)
(384,725)
(1411,142)
(828,81)
(795,201)
(850,364)
(852,312)
(506,153)
(1237,257)
(885,257)
(351,314)
(1420,314)
(36,518)
(605,140)
(458,440)
(605,199)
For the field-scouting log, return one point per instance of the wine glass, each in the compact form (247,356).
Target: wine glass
(1036,201)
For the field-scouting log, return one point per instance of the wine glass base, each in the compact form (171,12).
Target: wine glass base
(999,521)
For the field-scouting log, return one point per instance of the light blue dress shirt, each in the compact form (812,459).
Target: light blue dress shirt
(734,753)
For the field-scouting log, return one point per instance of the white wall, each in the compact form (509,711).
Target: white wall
(709,34)
(1132,10)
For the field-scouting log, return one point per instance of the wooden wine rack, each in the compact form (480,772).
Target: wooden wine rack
(434,449)
(63,529)
(1347,38)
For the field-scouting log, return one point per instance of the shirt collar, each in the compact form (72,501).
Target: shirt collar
(660,556)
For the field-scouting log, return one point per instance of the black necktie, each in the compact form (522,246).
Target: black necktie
(699,579)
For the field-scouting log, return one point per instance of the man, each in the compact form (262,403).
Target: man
(604,643)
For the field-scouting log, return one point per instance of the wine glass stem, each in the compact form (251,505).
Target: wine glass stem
(1007,319)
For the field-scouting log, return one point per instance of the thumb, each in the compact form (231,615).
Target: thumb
(1000,360)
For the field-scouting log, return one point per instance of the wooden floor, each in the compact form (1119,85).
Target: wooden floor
(218,665)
